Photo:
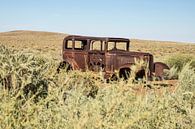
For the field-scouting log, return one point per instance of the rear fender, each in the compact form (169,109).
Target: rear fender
(73,63)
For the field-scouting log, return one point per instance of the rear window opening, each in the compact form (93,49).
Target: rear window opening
(77,44)
(69,44)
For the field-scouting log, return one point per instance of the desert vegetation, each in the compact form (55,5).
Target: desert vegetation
(33,95)
(50,44)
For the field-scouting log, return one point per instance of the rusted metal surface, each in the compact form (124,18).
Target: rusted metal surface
(105,54)
(158,69)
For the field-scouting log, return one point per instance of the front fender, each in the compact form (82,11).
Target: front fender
(158,68)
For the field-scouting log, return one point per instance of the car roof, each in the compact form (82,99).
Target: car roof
(95,38)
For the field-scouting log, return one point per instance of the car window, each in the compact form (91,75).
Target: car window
(119,45)
(97,45)
(80,45)
(111,45)
(69,44)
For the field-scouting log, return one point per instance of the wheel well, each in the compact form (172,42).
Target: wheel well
(140,74)
(64,65)
(124,73)
(68,66)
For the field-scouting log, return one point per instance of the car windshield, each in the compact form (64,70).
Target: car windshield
(117,46)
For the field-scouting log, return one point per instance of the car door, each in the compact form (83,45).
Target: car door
(80,54)
(97,55)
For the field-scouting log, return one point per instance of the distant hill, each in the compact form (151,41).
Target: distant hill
(51,43)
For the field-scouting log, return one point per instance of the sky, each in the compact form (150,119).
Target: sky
(167,20)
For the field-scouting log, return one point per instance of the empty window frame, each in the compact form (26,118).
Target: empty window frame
(97,45)
(80,44)
(117,46)
(69,44)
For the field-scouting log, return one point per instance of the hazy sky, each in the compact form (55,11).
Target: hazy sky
(172,20)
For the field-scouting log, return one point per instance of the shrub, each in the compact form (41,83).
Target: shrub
(178,61)
(115,105)
(187,78)
(171,74)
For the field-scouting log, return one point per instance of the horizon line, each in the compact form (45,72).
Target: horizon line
(133,38)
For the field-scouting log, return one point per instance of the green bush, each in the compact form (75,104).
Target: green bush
(171,74)
(187,78)
(68,104)
(178,61)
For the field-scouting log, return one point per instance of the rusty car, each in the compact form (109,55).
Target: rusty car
(108,55)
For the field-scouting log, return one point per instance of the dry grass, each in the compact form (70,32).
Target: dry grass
(38,42)
(40,98)
(163,49)
(51,43)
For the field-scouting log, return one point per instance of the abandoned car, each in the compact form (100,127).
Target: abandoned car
(107,55)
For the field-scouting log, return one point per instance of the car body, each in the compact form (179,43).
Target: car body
(107,55)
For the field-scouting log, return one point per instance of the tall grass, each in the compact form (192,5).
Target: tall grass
(187,78)
(85,100)
(177,64)
(180,60)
